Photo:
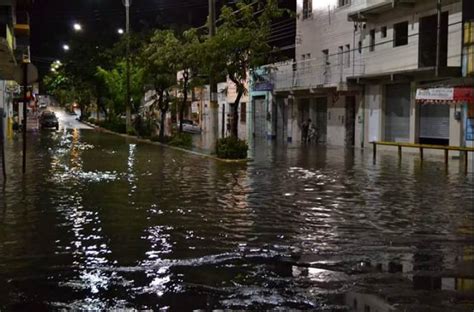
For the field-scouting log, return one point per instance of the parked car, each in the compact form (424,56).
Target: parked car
(49,120)
(190,127)
(42,105)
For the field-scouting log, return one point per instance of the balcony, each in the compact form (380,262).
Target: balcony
(316,74)
(376,8)
(22,26)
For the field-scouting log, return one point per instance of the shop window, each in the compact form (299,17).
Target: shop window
(400,31)
(347,61)
(340,55)
(383,32)
(243,112)
(372,40)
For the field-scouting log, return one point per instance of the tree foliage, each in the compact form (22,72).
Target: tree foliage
(241,45)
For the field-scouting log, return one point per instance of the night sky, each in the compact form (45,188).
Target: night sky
(52,20)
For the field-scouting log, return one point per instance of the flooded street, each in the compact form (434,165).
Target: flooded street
(101,222)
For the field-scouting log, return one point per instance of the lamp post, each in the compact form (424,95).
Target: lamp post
(127,4)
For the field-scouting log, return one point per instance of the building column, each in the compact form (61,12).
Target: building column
(456,137)
(414,115)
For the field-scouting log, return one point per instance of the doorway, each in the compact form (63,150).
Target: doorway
(434,124)
(350,120)
(259,119)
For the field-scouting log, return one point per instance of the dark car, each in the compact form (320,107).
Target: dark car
(49,120)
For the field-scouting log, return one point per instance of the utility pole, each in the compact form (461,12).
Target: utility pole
(127,33)
(214,105)
(438,37)
(25,111)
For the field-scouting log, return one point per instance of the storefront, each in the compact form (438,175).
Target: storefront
(439,107)
(397,113)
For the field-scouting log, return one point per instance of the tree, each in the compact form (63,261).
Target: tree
(189,59)
(241,45)
(115,83)
(161,59)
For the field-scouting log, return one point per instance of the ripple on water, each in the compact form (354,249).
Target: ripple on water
(104,224)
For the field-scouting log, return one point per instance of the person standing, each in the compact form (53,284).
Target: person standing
(305,130)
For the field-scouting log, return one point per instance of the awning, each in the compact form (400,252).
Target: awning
(454,95)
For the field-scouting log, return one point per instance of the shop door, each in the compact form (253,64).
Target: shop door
(350,121)
(397,113)
(434,124)
(259,119)
(322,119)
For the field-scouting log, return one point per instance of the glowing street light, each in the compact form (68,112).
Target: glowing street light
(77,27)
(120,31)
(66,47)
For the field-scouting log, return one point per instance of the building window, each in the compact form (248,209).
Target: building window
(383,32)
(326,57)
(400,34)
(347,61)
(343,2)
(307,8)
(340,55)
(372,40)
(360,47)
(243,112)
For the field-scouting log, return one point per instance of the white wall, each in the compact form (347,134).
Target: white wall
(387,58)
(329,28)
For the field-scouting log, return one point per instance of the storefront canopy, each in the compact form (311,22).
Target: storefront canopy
(445,95)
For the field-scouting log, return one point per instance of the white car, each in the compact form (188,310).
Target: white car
(42,105)
(190,127)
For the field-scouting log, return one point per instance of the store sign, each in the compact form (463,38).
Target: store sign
(435,94)
(263,86)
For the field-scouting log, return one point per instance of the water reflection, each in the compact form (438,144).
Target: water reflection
(106,223)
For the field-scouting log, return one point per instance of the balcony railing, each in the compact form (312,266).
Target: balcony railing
(316,73)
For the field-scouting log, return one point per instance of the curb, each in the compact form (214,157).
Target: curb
(148,141)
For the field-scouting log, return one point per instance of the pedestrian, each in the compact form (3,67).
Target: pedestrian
(305,130)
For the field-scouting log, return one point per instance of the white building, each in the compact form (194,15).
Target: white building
(359,64)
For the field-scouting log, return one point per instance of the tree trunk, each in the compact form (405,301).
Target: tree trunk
(234,129)
(162,125)
(185,100)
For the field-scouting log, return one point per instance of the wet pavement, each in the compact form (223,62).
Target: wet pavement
(101,222)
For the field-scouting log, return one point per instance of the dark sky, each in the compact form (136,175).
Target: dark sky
(52,20)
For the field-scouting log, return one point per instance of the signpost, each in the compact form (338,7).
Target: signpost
(27,74)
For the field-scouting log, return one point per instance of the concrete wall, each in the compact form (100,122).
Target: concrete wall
(329,28)
(386,57)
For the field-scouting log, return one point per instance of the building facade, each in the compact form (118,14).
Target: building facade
(359,66)
(14,50)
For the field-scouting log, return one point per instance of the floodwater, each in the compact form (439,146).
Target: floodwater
(100,222)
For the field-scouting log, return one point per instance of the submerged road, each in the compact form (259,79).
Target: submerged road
(100,222)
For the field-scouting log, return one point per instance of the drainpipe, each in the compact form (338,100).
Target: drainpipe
(362,133)
(438,37)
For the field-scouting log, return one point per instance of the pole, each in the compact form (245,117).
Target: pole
(2,151)
(25,117)
(212,83)
(438,37)
(127,31)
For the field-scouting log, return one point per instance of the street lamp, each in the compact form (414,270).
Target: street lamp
(77,27)
(127,4)
(66,47)
(120,31)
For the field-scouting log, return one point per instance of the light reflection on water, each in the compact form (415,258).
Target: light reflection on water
(100,223)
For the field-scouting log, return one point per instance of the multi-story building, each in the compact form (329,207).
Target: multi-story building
(14,49)
(361,63)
